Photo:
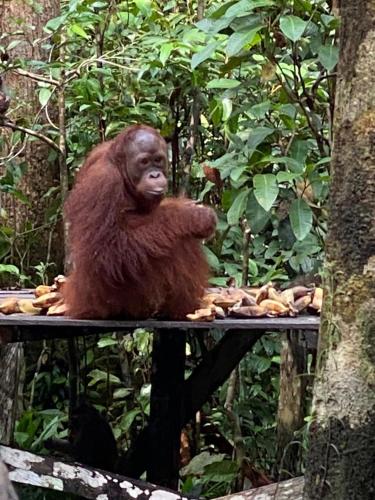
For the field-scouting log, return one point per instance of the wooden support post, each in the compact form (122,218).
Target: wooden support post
(291,410)
(167,379)
(208,376)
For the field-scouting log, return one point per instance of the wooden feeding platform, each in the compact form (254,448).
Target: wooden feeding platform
(174,400)
(24,327)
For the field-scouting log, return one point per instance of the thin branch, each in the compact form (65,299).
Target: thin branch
(292,95)
(245,252)
(37,78)
(47,140)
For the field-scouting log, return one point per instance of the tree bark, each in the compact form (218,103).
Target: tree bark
(291,408)
(6,489)
(40,175)
(41,240)
(342,448)
(11,362)
(285,490)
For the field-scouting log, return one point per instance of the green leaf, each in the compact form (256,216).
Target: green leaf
(244,6)
(257,135)
(253,267)
(223,83)
(78,30)
(328,56)
(144,6)
(223,471)
(197,465)
(204,54)
(207,188)
(13,44)
(299,151)
(106,341)
(127,420)
(301,218)
(165,52)
(257,216)
(236,172)
(54,24)
(238,40)
(9,268)
(44,95)
(122,393)
(227,108)
(286,176)
(237,208)
(101,376)
(211,27)
(265,190)
(293,27)
(212,260)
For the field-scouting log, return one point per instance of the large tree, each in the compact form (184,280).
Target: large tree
(23,22)
(342,450)
(35,238)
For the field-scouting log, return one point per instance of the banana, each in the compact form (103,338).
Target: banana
(207,314)
(301,303)
(317,301)
(58,309)
(274,307)
(42,290)
(47,300)
(263,293)
(248,312)
(26,306)
(10,306)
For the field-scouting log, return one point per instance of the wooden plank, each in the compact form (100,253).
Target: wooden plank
(47,472)
(165,424)
(285,490)
(23,327)
(306,322)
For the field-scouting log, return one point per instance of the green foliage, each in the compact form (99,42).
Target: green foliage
(251,87)
(250,83)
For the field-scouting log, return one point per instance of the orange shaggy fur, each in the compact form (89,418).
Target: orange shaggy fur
(131,259)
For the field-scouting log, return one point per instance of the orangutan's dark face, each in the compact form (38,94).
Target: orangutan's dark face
(147,164)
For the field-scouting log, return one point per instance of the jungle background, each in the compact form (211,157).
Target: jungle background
(243,92)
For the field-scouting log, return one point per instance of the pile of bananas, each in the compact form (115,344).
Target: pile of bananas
(48,300)
(257,302)
(217,303)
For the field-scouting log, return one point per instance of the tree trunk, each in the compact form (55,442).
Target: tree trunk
(41,240)
(342,449)
(35,239)
(11,363)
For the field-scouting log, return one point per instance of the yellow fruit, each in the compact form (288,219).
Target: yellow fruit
(47,300)
(26,306)
(207,314)
(302,303)
(317,301)
(263,293)
(248,312)
(10,306)
(42,290)
(58,309)
(274,307)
